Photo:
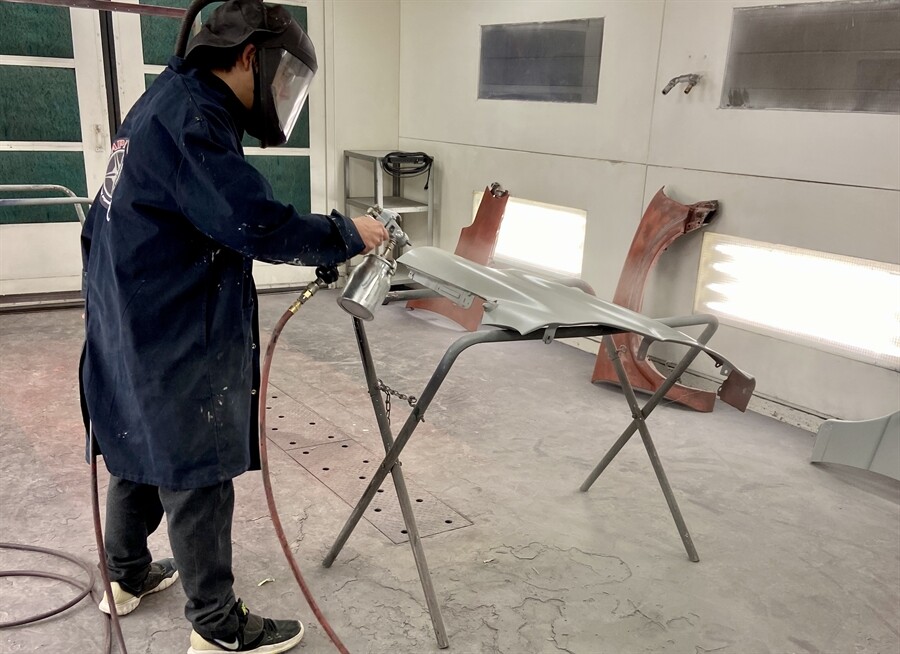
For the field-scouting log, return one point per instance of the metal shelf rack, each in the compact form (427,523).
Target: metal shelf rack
(395,200)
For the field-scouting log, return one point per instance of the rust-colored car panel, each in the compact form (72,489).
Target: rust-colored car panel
(476,243)
(663,222)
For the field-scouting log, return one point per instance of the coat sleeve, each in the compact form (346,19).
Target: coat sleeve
(227,199)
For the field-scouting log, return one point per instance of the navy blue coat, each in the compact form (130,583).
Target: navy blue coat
(170,370)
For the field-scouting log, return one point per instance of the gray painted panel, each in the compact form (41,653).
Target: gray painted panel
(526,303)
(887,456)
(868,444)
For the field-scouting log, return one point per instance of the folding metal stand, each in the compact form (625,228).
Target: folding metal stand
(393,447)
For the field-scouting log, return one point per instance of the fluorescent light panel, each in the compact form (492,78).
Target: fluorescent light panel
(840,304)
(541,236)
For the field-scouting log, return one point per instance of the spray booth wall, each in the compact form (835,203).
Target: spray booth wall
(824,181)
(818,180)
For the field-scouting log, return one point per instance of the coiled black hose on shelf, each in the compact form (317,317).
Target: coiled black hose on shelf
(407,164)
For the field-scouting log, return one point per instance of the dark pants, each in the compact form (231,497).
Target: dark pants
(200,535)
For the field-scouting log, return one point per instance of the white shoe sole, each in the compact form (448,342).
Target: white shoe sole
(130,605)
(265,649)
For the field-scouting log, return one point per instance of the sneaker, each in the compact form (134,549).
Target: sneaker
(162,575)
(255,634)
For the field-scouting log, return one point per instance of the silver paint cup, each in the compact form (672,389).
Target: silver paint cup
(367,287)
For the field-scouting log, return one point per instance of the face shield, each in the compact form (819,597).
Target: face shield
(281,88)
(290,88)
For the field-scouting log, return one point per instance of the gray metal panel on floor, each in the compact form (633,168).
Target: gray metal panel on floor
(316,443)
(868,444)
(346,467)
(292,424)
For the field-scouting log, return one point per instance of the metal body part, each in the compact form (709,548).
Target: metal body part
(524,307)
(526,303)
(476,243)
(867,444)
(664,221)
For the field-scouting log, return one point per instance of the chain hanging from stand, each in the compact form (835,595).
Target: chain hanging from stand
(388,392)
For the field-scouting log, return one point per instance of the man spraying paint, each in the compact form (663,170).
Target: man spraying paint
(170,369)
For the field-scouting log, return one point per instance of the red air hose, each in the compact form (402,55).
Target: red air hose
(264,464)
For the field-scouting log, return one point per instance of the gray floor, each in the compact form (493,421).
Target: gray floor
(794,558)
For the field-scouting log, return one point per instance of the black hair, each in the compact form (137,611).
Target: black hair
(210,58)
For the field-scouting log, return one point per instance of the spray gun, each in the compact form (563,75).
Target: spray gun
(370,281)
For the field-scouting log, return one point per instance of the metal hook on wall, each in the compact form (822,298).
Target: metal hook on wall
(690,79)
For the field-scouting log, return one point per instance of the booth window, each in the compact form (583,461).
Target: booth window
(550,62)
(539,237)
(819,56)
(840,304)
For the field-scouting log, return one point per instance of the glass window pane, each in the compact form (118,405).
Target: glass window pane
(64,168)
(289,177)
(556,62)
(38,104)
(159,33)
(821,56)
(35,31)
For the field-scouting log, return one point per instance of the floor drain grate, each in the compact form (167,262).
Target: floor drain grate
(346,467)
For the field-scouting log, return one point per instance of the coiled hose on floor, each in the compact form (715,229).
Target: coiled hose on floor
(84,588)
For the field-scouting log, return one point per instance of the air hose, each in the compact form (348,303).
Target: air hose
(85,588)
(324,276)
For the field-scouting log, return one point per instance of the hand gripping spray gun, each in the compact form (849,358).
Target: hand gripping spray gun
(370,281)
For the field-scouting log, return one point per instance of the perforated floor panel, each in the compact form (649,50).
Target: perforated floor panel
(345,466)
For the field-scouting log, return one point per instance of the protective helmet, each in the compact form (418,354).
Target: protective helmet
(286,62)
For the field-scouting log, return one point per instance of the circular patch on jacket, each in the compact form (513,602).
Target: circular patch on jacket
(113,170)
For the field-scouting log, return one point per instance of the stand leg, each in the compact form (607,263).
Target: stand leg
(639,422)
(641,414)
(409,518)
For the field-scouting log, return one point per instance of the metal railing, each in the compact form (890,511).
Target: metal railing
(37,202)
(32,301)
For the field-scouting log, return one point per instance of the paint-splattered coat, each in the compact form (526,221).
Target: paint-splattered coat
(170,370)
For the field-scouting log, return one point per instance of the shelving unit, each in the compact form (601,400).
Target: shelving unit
(395,201)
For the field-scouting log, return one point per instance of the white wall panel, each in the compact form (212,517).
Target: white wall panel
(362,51)
(440,45)
(40,258)
(839,219)
(690,131)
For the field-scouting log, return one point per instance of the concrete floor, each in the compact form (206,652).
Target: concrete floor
(794,558)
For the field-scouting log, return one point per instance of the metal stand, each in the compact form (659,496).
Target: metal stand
(384,426)
(393,447)
(640,416)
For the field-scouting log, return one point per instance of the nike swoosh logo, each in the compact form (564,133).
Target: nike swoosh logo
(229,646)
